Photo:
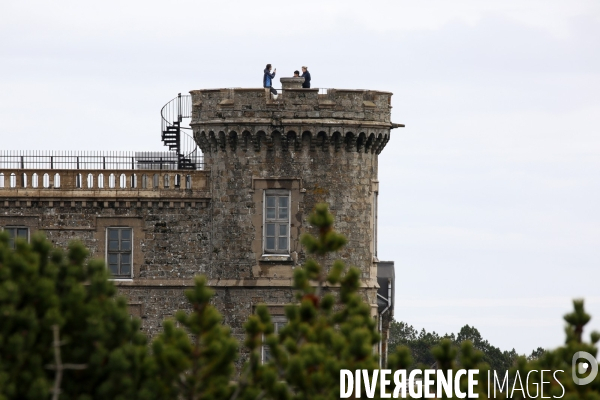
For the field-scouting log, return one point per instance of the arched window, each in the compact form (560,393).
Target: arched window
(57,180)
(13,180)
(1,180)
(155,181)
(34,181)
(177,181)
(46,181)
(111,181)
(134,182)
(144,181)
(78,179)
(188,181)
(24,180)
(122,181)
(101,181)
(90,181)
(167,179)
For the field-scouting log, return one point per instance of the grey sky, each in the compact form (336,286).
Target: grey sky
(489,197)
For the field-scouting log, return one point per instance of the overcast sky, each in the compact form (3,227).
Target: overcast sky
(489,198)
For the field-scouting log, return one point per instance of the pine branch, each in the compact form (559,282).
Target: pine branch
(59,367)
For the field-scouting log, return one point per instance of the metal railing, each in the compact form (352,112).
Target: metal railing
(95,160)
(174,135)
(175,110)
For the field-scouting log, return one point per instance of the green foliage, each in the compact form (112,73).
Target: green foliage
(324,333)
(562,358)
(329,328)
(422,343)
(497,359)
(201,368)
(535,354)
(525,373)
(40,288)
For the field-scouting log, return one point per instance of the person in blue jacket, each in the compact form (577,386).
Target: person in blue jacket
(306,76)
(268,79)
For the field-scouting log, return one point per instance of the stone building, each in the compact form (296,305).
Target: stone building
(236,216)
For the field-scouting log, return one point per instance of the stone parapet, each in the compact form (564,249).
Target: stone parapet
(366,105)
(102,184)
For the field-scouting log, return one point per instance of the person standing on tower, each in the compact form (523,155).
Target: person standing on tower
(268,79)
(306,76)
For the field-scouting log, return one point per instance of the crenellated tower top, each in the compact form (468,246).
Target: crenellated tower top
(343,119)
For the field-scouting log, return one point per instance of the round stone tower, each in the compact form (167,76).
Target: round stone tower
(271,161)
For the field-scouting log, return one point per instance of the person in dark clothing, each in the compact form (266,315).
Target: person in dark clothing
(306,76)
(296,74)
(268,79)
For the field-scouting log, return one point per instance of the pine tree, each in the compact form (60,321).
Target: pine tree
(63,326)
(201,368)
(43,290)
(562,359)
(326,331)
(525,378)
(422,343)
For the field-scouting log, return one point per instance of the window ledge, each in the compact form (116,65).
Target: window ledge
(278,258)
(121,279)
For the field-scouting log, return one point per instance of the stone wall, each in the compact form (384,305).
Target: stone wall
(171,224)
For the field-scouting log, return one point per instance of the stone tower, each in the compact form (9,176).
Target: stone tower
(265,155)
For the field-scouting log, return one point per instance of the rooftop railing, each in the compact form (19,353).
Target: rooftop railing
(95,160)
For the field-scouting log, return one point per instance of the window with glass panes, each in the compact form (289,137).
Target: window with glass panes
(278,324)
(15,232)
(118,252)
(277,221)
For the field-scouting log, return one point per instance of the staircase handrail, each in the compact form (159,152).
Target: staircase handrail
(172,114)
(181,106)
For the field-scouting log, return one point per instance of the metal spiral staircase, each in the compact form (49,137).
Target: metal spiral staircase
(173,134)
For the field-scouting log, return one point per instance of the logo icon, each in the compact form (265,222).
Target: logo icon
(581,367)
